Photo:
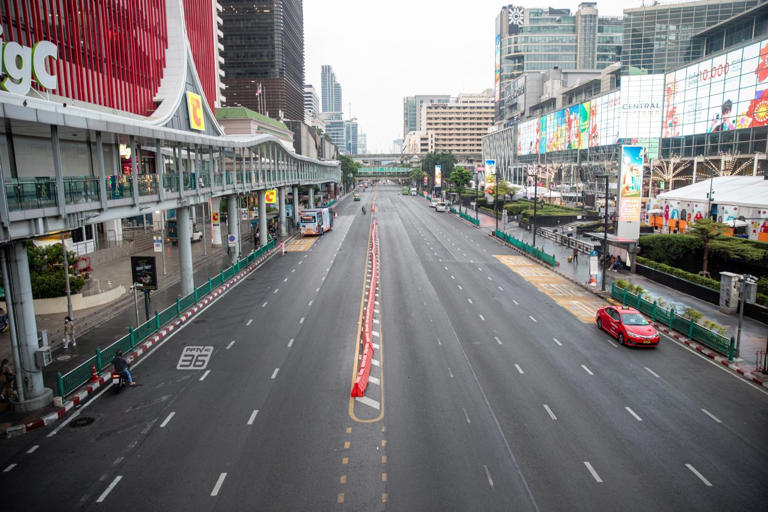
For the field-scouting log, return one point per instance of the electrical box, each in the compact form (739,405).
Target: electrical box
(729,292)
(43,357)
(750,292)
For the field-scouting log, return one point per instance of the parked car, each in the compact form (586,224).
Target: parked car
(441,207)
(627,325)
(356,197)
(434,203)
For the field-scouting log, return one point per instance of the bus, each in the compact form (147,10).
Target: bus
(315,221)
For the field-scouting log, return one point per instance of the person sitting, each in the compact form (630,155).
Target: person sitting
(122,367)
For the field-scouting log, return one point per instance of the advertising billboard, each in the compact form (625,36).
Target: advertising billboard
(195,109)
(497,73)
(727,92)
(641,106)
(144,272)
(630,191)
(438,176)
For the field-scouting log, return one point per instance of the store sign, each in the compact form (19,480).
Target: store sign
(270,196)
(727,92)
(21,64)
(642,97)
(195,107)
(630,191)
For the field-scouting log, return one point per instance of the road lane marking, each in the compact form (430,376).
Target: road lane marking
(219,482)
(109,489)
(117,461)
(274,373)
(500,288)
(375,333)
(469,300)
(466,416)
(230,344)
(703,410)
(479,269)
(167,419)
(516,303)
(529,316)
(593,472)
(317,290)
(285,280)
(9,468)
(33,449)
(252,417)
(446,268)
(374,380)
(587,370)
(519,369)
(453,277)
(370,402)
(460,287)
(498,340)
(265,304)
(488,474)
(301,321)
(276,290)
(205,374)
(701,477)
(633,413)
(490,278)
(249,322)
(293,270)
(652,372)
(549,411)
(481,317)
(290,343)
(557,341)
(375,362)
(310,303)
(450,372)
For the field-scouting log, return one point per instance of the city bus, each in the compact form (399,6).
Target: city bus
(315,221)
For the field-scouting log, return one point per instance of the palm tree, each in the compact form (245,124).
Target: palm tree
(668,170)
(728,165)
(706,230)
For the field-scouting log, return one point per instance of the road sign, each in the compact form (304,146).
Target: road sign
(593,263)
(157,243)
(195,358)
(231,239)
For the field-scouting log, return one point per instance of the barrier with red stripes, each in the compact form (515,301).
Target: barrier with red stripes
(364,369)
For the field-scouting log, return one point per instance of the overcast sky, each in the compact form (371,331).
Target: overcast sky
(384,51)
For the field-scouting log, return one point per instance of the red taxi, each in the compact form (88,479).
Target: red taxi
(627,325)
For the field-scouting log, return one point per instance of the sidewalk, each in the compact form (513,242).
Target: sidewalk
(753,333)
(115,318)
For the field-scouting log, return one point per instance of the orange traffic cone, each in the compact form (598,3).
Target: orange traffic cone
(592,281)
(94,374)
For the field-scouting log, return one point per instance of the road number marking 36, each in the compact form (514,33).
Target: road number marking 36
(195,358)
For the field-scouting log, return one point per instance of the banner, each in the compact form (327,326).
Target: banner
(195,108)
(438,176)
(630,191)
(270,196)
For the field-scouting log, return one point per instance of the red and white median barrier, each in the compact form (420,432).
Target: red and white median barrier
(364,369)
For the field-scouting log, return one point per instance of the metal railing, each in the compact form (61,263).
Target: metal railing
(668,317)
(23,194)
(568,241)
(549,259)
(102,358)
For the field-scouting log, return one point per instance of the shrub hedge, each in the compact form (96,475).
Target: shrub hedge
(682,274)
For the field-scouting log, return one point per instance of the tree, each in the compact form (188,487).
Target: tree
(706,230)
(728,165)
(669,170)
(460,178)
(504,187)
(46,271)
(348,170)
(417,176)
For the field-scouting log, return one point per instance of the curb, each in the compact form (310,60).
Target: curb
(88,389)
(748,375)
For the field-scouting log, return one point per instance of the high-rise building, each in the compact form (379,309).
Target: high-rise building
(330,90)
(459,126)
(311,105)
(264,46)
(658,37)
(351,136)
(412,106)
(334,127)
(538,39)
(362,143)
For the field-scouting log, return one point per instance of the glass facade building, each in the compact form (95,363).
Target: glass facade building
(661,37)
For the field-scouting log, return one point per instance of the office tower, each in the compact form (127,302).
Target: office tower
(412,106)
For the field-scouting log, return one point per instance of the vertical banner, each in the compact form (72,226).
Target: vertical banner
(630,191)
(213,207)
(270,196)
(438,176)
(497,70)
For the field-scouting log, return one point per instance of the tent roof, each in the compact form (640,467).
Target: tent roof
(747,191)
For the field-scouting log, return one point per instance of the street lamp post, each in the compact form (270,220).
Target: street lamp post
(477,189)
(605,231)
(496,200)
(535,177)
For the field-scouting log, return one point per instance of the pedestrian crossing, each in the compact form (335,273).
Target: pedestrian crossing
(580,303)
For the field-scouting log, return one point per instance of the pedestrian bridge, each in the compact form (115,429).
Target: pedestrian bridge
(383,172)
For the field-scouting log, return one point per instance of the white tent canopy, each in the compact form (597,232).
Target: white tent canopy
(542,193)
(744,191)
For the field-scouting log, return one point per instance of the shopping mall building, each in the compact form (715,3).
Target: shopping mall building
(699,106)
(107,111)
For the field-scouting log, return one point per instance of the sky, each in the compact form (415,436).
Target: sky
(384,51)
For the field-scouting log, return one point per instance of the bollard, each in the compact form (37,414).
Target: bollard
(157,320)
(178,307)
(690,330)
(210,285)
(731,346)
(98,358)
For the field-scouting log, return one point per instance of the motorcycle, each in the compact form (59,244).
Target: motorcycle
(119,381)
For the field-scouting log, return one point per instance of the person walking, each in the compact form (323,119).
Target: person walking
(69,332)
(575,255)
(8,380)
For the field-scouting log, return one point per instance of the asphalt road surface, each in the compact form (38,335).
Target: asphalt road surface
(491,396)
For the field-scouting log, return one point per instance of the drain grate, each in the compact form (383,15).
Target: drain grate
(82,421)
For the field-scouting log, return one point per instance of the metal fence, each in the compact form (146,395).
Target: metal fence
(78,376)
(668,317)
(526,248)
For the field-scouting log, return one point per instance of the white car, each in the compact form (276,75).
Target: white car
(441,207)
(434,202)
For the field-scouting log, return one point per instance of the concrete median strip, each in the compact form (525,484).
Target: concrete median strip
(90,388)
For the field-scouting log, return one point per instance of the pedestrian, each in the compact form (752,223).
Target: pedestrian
(575,255)
(8,380)
(282,248)
(69,332)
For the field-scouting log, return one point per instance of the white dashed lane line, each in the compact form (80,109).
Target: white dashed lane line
(520,370)
(549,411)
(593,472)
(109,489)
(481,317)
(9,468)
(529,316)
(699,475)
(276,290)
(466,416)
(516,303)
(587,370)
(274,373)
(205,374)
(229,346)
(249,322)
(253,417)
(290,343)
(265,304)
(168,419)
(469,300)
(219,482)
(33,449)
(715,418)
(557,341)
(498,340)
(652,372)
(633,413)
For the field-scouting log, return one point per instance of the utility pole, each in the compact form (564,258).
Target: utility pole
(605,233)
(66,277)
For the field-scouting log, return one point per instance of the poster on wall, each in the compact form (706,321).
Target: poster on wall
(727,92)
(630,191)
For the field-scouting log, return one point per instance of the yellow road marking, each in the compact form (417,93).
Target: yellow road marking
(345,460)
(383,477)
(383,459)
(579,303)
(343,479)
(383,442)
(340,498)
(300,244)
(346,445)
(349,430)
(384,497)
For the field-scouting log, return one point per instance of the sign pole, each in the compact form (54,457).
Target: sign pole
(136,302)
(146,303)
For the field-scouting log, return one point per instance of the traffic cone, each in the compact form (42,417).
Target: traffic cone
(592,281)
(94,374)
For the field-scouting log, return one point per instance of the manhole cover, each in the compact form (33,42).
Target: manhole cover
(82,422)
(64,357)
